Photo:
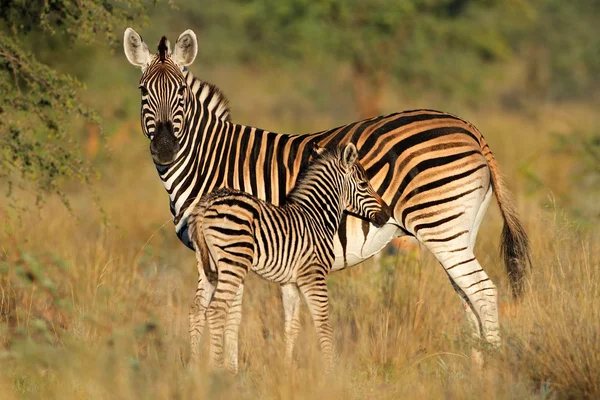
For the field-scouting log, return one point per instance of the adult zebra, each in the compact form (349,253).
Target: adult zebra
(434,169)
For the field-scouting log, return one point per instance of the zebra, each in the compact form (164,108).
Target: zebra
(435,170)
(291,244)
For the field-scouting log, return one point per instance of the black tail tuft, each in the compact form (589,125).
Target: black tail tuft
(515,251)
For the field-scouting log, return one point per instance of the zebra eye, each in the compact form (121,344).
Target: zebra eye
(363,184)
(181,90)
(144,90)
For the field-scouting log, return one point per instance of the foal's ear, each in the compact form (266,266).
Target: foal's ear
(349,155)
(186,48)
(135,49)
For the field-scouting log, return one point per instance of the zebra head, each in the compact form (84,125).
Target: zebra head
(164,90)
(361,198)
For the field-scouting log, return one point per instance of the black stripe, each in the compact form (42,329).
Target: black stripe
(432,163)
(281,173)
(433,203)
(470,273)
(477,283)
(437,223)
(227,231)
(222,154)
(447,239)
(254,154)
(233,154)
(244,245)
(457,250)
(342,234)
(481,290)
(234,218)
(436,184)
(461,263)
(267,166)
(244,143)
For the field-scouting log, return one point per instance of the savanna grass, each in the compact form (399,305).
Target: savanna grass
(95,310)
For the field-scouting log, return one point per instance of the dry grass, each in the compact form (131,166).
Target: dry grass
(89,310)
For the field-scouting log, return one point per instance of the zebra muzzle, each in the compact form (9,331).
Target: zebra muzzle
(164,145)
(382,216)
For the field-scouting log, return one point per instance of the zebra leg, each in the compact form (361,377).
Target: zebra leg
(231,276)
(479,296)
(477,291)
(232,327)
(204,292)
(493,330)
(290,296)
(314,288)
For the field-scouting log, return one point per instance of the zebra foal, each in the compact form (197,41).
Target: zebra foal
(234,232)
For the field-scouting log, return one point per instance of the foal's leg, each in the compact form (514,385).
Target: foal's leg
(197,316)
(231,273)
(311,282)
(291,308)
(232,327)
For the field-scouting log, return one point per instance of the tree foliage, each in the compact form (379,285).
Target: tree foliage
(452,46)
(562,49)
(38,104)
(441,43)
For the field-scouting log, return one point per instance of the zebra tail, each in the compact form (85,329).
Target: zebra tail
(197,233)
(514,246)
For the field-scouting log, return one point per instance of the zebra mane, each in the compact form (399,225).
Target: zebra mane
(209,96)
(163,49)
(312,169)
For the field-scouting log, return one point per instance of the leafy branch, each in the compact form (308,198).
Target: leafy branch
(39,104)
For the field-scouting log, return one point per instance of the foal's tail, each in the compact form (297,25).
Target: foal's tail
(196,232)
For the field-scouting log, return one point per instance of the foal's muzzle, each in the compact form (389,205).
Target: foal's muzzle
(382,216)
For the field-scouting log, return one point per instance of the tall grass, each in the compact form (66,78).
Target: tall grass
(95,310)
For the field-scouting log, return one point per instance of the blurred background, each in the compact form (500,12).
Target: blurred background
(93,278)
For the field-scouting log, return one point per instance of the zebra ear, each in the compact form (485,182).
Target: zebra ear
(135,49)
(349,156)
(186,48)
